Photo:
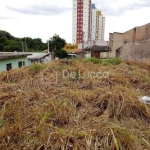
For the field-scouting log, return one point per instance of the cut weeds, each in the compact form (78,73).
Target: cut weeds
(76,113)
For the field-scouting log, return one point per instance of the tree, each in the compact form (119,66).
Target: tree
(1,46)
(56,43)
(12,46)
(61,54)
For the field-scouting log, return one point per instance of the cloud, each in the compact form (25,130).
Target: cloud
(40,9)
(117,8)
(4,18)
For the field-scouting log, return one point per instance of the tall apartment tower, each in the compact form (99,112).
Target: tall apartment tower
(93,23)
(98,25)
(81,21)
(100,29)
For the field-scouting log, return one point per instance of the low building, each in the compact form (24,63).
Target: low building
(38,57)
(71,48)
(12,60)
(96,50)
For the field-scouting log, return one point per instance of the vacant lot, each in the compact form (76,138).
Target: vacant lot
(75,105)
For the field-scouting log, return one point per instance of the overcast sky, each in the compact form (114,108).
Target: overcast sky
(43,18)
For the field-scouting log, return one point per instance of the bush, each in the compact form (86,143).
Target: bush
(61,54)
(115,61)
(94,60)
(36,68)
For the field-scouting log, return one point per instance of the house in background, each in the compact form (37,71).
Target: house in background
(38,58)
(96,50)
(73,50)
(12,60)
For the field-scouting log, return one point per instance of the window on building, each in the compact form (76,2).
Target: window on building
(24,64)
(20,64)
(8,66)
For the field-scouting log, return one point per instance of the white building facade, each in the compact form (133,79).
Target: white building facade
(93,22)
(81,20)
(87,23)
(100,26)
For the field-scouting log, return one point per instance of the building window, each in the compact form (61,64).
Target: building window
(8,66)
(24,64)
(20,64)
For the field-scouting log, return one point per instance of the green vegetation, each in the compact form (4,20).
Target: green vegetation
(9,43)
(61,54)
(56,44)
(38,112)
(36,68)
(113,61)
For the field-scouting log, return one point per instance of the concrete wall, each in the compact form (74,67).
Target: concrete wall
(137,34)
(14,62)
(143,33)
(104,55)
(136,51)
(136,45)
(115,41)
(128,36)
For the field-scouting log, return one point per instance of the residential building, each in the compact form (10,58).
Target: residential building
(81,20)
(12,60)
(38,58)
(88,23)
(100,26)
(71,48)
(96,50)
(93,23)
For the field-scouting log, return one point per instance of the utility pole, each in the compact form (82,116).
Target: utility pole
(22,47)
(48,46)
(25,45)
(82,44)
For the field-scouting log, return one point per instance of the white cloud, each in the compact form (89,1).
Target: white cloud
(43,18)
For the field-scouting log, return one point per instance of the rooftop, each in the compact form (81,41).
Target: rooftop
(96,48)
(7,55)
(38,56)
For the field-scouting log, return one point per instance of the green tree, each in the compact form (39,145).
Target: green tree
(1,46)
(6,34)
(37,44)
(56,43)
(61,54)
(12,46)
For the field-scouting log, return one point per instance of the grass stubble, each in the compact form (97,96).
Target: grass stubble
(77,113)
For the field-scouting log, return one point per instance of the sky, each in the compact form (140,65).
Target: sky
(44,18)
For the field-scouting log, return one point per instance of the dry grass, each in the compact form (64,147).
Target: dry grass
(76,113)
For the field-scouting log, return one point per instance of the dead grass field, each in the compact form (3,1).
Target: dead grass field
(77,113)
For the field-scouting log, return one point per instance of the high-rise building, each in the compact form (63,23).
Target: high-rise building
(100,29)
(81,20)
(98,25)
(87,23)
(93,22)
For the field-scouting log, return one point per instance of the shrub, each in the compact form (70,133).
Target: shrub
(94,60)
(61,54)
(36,68)
(115,61)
